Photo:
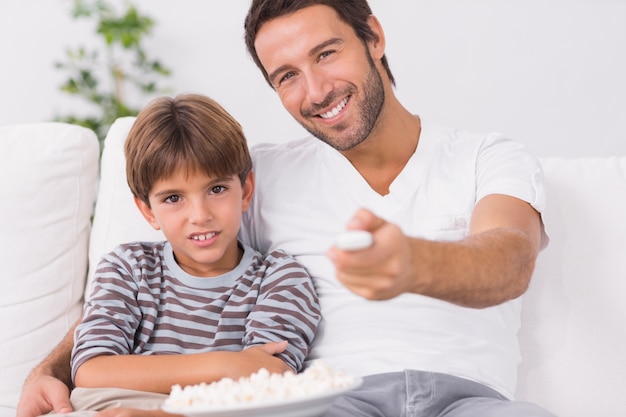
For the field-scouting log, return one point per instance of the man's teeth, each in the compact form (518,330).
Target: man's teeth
(203,237)
(334,112)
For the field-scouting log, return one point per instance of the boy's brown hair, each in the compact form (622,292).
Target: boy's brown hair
(190,132)
(354,12)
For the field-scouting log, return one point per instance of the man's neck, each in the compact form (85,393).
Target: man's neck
(386,151)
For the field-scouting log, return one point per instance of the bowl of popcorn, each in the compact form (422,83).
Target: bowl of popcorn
(307,394)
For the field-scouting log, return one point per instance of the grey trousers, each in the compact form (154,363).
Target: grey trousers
(398,394)
(426,394)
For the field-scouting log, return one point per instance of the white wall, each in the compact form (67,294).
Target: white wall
(547,72)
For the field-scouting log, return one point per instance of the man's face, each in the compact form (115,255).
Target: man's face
(323,73)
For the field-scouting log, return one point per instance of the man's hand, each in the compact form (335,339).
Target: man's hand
(381,271)
(42,394)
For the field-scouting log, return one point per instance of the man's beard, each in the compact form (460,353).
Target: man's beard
(371,106)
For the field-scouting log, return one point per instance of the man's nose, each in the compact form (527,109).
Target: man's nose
(318,86)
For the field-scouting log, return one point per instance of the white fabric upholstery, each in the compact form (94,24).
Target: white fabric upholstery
(48,175)
(117,219)
(573,335)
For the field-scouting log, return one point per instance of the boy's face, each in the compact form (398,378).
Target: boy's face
(200,216)
(325,76)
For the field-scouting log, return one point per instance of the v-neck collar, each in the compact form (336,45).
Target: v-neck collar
(403,187)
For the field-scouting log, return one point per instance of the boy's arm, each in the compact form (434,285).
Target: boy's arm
(157,373)
(47,387)
(287,309)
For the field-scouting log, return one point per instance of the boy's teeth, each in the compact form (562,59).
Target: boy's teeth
(334,111)
(203,237)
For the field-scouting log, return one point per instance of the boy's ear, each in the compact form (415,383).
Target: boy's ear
(247,191)
(147,213)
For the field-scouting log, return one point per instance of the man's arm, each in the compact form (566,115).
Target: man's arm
(47,387)
(157,373)
(492,265)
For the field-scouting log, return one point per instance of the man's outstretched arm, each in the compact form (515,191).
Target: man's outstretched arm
(490,266)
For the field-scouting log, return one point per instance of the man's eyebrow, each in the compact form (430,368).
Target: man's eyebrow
(317,49)
(313,52)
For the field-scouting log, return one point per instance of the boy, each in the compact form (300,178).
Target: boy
(199,306)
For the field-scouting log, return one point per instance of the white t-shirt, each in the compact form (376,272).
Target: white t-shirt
(306,192)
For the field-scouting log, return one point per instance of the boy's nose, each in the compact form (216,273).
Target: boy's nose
(199,212)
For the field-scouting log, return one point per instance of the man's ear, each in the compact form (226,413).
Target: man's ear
(247,191)
(147,213)
(376,46)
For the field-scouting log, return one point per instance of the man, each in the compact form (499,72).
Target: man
(429,313)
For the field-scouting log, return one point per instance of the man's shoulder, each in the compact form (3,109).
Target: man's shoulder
(285,150)
(464,142)
(455,135)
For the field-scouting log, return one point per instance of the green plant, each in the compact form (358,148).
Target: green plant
(119,68)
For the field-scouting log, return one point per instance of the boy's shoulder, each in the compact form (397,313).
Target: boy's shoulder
(140,247)
(277,262)
(135,252)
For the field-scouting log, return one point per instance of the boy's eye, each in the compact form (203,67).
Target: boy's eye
(172,199)
(218,189)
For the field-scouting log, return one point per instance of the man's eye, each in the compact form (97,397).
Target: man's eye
(172,199)
(325,54)
(287,76)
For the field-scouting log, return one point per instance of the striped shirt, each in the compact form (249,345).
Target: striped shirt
(142,303)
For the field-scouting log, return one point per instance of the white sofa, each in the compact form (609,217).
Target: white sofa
(572,337)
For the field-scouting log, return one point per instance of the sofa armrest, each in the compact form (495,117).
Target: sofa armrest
(48,178)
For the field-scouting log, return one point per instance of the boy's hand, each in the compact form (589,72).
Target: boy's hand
(252,359)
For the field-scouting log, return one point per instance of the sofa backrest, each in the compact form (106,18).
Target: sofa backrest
(573,336)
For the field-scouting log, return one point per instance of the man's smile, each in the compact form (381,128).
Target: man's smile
(335,111)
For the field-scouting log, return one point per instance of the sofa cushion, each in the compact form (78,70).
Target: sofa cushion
(572,334)
(117,219)
(48,176)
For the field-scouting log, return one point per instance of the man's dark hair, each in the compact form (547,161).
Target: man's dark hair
(354,12)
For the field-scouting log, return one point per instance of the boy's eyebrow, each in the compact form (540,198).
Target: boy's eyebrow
(314,51)
(209,183)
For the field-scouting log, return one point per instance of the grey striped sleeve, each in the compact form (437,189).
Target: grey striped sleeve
(287,309)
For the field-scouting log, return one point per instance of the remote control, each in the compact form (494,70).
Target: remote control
(354,240)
